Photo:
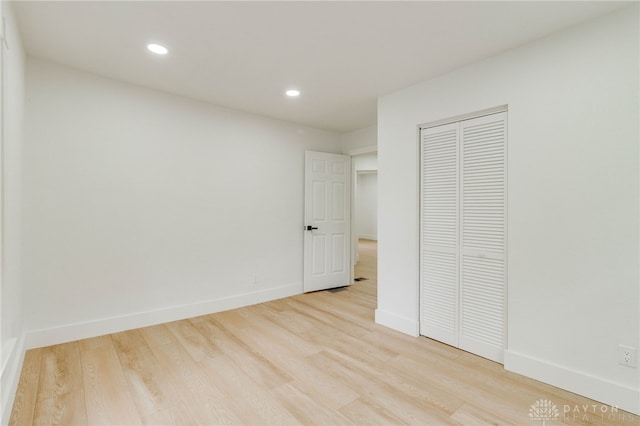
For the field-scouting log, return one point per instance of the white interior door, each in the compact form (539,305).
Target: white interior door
(327,223)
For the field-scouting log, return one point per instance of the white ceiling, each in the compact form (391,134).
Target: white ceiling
(243,55)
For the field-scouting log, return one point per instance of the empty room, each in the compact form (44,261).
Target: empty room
(320,213)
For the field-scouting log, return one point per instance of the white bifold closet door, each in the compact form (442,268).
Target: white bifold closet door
(463,234)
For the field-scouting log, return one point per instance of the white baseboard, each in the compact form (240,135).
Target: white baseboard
(10,375)
(77,331)
(368,237)
(605,391)
(398,323)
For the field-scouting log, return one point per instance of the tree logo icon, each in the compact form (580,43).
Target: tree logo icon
(543,410)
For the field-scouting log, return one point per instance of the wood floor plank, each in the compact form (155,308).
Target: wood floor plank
(307,409)
(128,340)
(299,306)
(351,346)
(193,388)
(108,398)
(156,335)
(256,366)
(323,303)
(365,412)
(150,389)
(408,402)
(196,345)
(280,335)
(345,307)
(253,403)
(94,342)
(25,400)
(363,298)
(421,349)
(233,318)
(61,393)
(450,378)
(284,318)
(308,378)
(470,415)
(178,414)
(278,305)
(408,385)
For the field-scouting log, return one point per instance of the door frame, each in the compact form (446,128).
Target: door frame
(456,119)
(370,149)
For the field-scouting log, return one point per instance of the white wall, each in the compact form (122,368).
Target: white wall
(360,141)
(365,162)
(573,186)
(11,298)
(143,207)
(367,206)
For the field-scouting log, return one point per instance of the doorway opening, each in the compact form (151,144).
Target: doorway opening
(364,202)
(367,267)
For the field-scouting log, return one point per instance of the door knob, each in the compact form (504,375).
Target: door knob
(311,228)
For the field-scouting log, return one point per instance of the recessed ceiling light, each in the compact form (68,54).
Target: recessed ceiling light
(157,48)
(293,93)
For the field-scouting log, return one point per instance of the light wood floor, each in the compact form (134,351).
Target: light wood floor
(313,359)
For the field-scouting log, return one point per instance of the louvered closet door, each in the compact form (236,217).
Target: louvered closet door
(439,245)
(482,236)
(463,222)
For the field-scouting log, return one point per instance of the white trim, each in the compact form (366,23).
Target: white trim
(8,347)
(352,217)
(362,150)
(398,323)
(607,392)
(10,376)
(505,302)
(464,117)
(77,331)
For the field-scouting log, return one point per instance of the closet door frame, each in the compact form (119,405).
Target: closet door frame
(450,120)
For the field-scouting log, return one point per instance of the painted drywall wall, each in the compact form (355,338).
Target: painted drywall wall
(360,141)
(365,162)
(11,332)
(142,207)
(573,186)
(367,206)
